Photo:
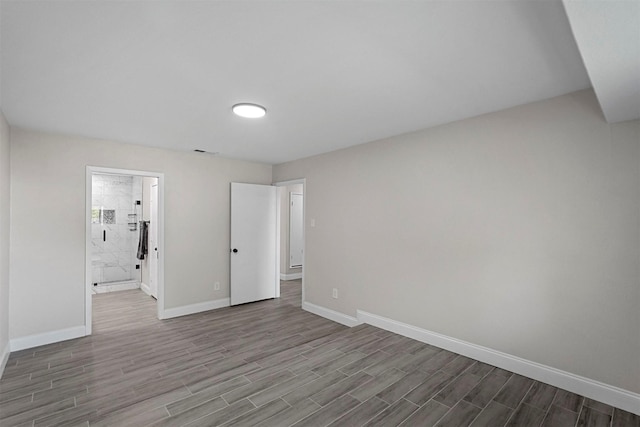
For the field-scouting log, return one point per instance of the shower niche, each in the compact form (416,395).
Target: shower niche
(115,209)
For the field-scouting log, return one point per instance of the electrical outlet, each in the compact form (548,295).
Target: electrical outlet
(216,286)
(335,293)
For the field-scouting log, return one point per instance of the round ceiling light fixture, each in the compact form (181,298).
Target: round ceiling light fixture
(250,111)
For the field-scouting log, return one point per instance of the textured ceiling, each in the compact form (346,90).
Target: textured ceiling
(331,74)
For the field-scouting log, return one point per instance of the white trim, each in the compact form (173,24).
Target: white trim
(88,279)
(278,242)
(185,310)
(31,341)
(290,276)
(327,313)
(304,234)
(116,287)
(160,242)
(290,182)
(4,358)
(145,288)
(596,390)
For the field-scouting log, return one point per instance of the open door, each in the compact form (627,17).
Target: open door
(153,242)
(253,242)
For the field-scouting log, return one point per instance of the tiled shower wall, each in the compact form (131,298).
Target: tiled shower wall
(113,209)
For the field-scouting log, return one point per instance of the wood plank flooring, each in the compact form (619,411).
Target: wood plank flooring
(268,364)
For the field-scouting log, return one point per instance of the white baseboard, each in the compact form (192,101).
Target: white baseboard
(592,389)
(290,276)
(331,314)
(185,310)
(4,358)
(31,341)
(145,288)
(115,287)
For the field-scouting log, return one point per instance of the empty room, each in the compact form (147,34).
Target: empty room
(314,213)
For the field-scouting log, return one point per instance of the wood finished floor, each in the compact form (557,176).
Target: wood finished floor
(269,364)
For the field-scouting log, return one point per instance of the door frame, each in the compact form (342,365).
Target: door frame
(90,170)
(280,184)
(153,236)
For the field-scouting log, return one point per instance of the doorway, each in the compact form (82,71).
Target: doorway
(291,221)
(117,224)
(296,230)
(116,207)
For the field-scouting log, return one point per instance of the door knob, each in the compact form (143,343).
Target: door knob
(235,251)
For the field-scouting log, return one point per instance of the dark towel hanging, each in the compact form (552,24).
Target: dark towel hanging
(143,244)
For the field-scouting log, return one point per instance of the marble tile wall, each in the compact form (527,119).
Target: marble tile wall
(113,209)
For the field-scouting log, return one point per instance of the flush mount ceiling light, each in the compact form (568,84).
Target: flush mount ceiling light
(250,111)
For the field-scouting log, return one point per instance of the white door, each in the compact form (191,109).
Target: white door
(296,224)
(253,242)
(153,242)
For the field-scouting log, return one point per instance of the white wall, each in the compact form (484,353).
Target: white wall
(518,231)
(48,223)
(285,199)
(4,239)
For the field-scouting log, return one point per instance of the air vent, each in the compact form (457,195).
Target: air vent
(213,153)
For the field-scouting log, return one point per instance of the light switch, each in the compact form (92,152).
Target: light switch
(313,222)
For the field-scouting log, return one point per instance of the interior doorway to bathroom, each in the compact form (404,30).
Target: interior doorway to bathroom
(124,234)
(117,221)
(291,225)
